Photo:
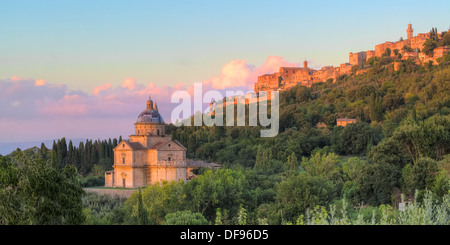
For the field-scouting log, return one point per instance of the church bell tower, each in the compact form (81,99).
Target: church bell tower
(409,31)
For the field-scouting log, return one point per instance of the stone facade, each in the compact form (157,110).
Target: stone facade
(357,59)
(440,51)
(344,121)
(288,77)
(293,76)
(149,156)
(409,31)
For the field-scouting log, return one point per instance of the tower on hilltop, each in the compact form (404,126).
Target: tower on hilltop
(409,31)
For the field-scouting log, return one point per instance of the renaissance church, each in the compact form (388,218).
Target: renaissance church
(149,156)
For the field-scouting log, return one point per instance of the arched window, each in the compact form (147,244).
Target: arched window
(123,160)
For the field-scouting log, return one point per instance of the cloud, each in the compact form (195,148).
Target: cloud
(129,83)
(20,97)
(39,82)
(272,64)
(67,107)
(233,74)
(15,78)
(100,88)
(239,74)
(27,100)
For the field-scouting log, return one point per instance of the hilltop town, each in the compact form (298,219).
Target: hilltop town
(413,48)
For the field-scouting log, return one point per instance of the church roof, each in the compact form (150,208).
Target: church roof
(132,145)
(178,143)
(136,145)
(159,144)
(150,114)
(346,119)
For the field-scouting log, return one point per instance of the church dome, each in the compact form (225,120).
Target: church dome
(151,114)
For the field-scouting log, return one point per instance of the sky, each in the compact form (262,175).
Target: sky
(84,69)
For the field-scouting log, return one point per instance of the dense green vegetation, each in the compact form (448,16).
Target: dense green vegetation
(90,158)
(32,191)
(398,149)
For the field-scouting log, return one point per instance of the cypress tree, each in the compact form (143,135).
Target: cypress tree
(81,156)
(109,148)
(54,155)
(63,152)
(70,153)
(43,151)
(102,151)
(376,108)
(54,160)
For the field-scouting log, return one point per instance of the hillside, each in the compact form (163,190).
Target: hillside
(403,121)
(312,172)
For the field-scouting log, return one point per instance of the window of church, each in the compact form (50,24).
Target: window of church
(123,160)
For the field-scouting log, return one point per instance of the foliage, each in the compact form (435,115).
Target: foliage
(312,172)
(428,212)
(91,181)
(300,192)
(224,188)
(34,192)
(158,200)
(103,209)
(185,218)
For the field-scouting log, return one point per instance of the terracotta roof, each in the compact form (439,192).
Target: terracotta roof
(136,145)
(292,68)
(157,145)
(178,143)
(346,119)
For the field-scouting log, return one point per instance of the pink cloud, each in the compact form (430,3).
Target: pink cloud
(67,106)
(24,98)
(179,86)
(100,88)
(238,73)
(272,64)
(16,78)
(129,83)
(233,74)
(39,82)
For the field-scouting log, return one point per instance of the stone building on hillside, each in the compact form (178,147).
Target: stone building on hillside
(410,48)
(344,121)
(357,59)
(149,156)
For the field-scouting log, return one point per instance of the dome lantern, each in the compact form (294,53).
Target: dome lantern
(151,114)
